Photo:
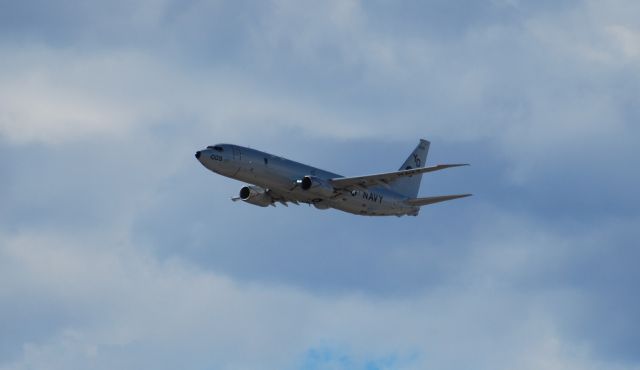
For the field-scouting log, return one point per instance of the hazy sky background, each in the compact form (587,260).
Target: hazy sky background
(118,250)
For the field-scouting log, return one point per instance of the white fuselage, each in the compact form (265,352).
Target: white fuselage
(282,177)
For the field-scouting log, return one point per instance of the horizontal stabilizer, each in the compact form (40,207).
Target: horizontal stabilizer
(386,178)
(431,200)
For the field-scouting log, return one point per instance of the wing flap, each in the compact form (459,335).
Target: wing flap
(282,198)
(437,199)
(386,178)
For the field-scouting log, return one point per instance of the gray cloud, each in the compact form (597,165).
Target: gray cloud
(119,250)
(128,305)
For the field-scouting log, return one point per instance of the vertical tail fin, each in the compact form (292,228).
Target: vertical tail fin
(409,186)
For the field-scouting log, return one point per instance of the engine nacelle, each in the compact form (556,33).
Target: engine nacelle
(317,186)
(255,195)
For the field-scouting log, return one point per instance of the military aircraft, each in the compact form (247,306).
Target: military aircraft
(278,180)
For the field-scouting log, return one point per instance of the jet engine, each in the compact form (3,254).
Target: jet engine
(255,195)
(317,186)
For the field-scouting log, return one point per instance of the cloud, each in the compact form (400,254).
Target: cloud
(128,304)
(533,86)
(110,301)
(51,96)
(118,250)
(56,96)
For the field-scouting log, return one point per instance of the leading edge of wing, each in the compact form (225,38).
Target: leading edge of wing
(387,177)
(431,200)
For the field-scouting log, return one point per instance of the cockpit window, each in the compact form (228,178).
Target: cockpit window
(216,148)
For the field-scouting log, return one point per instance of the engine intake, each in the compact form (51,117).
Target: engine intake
(317,186)
(306,183)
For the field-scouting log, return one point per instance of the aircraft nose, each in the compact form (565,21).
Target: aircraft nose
(198,155)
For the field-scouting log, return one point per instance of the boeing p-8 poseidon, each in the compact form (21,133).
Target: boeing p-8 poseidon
(278,180)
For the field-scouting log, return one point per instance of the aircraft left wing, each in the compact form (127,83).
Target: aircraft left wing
(386,178)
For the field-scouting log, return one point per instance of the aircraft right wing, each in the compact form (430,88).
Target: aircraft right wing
(431,200)
(385,178)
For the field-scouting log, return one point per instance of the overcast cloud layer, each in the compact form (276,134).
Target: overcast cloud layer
(119,251)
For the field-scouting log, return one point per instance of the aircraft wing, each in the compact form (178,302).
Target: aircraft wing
(385,178)
(430,200)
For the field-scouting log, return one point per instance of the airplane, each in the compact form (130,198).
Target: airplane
(275,179)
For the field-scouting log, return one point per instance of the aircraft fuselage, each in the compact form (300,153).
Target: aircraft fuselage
(282,177)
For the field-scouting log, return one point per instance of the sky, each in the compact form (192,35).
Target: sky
(118,250)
